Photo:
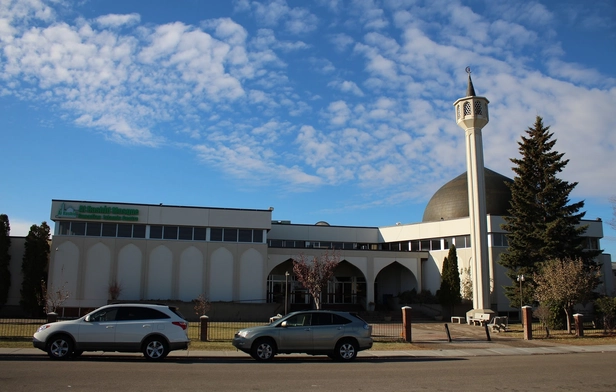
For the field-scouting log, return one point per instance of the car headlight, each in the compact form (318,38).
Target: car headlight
(43,327)
(242,334)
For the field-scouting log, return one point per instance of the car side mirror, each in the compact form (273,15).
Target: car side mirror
(283,324)
(87,319)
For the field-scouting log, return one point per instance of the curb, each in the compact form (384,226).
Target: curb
(453,353)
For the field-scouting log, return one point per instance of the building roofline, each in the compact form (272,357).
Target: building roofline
(159,205)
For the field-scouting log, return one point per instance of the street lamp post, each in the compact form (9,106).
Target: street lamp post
(286,293)
(521,279)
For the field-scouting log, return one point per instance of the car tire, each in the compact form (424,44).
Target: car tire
(155,348)
(346,350)
(60,347)
(263,350)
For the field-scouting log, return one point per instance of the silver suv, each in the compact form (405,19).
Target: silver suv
(154,330)
(339,335)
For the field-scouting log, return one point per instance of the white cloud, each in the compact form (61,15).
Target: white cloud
(342,41)
(296,20)
(115,20)
(347,86)
(369,14)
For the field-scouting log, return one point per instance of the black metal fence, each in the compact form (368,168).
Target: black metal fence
(382,331)
(23,329)
(591,328)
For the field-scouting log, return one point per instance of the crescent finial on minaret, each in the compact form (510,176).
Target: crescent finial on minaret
(470,90)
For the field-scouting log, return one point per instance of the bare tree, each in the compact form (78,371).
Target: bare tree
(467,284)
(115,289)
(202,305)
(566,282)
(53,298)
(315,274)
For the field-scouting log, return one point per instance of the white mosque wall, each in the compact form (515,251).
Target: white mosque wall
(130,259)
(64,274)
(252,277)
(97,272)
(160,274)
(221,275)
(191,274)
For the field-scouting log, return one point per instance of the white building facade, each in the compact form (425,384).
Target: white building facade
(160,253)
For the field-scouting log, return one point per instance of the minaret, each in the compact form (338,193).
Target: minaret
(472,116)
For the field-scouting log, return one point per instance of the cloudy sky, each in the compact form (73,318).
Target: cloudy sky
(334,110)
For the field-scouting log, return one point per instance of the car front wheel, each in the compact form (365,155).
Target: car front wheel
(155,349)
(263,350)
(346,350)
(60,347)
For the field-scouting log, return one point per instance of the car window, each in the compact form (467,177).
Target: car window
(108,314)
(322,319)
(175,310)
(328,319)
(132,313)
(299,320)
(340,320)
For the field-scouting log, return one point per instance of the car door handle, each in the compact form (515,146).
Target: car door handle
(146,326)
(109,326)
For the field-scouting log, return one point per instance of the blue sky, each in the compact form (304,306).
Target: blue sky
(325,110)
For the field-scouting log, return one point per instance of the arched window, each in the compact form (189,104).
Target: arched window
(478,109)
(467,108)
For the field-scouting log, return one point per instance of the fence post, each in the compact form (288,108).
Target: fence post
(527,320)
(579,324)
(406,324)
(52,317)
(204,321)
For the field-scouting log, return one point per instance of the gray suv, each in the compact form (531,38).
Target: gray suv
(339,335)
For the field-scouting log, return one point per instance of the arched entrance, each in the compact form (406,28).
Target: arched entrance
(390,282)
(345,290)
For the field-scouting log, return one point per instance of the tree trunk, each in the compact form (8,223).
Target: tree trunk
(567,311)
(317,301)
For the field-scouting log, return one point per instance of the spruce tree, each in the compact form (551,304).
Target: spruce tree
(454,276)
(444,291)
(34,268)
(5,258)
(542,223)
(449,293)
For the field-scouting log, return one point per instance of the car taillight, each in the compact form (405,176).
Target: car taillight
(180,324)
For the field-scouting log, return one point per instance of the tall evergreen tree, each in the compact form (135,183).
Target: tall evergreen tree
(34,268)
(5,258)
(542,223)
(454,276)
(444,291)
(449,293)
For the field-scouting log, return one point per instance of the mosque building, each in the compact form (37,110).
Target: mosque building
(163,252)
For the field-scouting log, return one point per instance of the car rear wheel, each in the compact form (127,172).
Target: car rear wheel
(263,350)
(60,347)
(155,349)
(346,350)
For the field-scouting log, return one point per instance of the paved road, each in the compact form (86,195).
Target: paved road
(575,372)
